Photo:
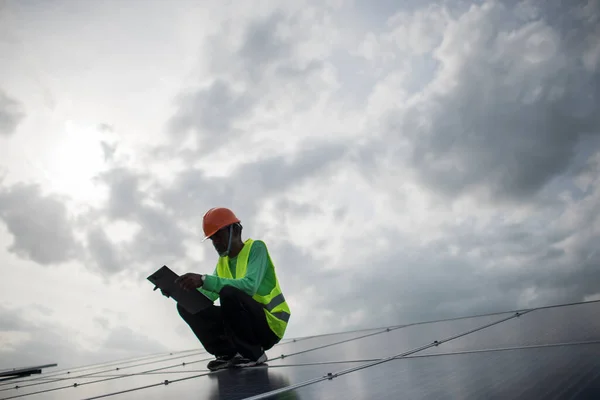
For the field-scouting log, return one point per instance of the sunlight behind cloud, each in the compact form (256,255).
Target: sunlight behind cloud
(73,161)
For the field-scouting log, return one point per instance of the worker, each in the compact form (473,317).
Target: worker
(253,314)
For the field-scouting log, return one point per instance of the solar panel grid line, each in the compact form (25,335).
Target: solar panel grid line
(76,384)
(151,373)
(100,372)
(433,344)
(165,382)
(333,375)
(490,350)
(173,366)
(115,362)
(498,349)
(516,315)
(110,363)
(89,383)
(489,314)
(68,371)
(127,391)
(386,330)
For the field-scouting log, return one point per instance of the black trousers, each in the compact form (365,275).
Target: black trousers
(239,325)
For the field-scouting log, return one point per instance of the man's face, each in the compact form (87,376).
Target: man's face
(220,240)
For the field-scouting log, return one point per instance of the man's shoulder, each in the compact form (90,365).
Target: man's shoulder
(258,244)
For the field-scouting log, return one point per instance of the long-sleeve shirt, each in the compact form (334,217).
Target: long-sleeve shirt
(259,276)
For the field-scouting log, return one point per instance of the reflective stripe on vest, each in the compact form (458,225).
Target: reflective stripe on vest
(276,308)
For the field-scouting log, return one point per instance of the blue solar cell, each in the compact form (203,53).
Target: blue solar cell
(233,384)
(576,323)
(541,373)
(384,343)
(79,388)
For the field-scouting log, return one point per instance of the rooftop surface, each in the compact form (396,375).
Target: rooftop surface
(542,353)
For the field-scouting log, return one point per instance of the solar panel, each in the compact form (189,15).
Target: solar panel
(555,325)
(541,353)
(383,342)
(13,373)
(539,373)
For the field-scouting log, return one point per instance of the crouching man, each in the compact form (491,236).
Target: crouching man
(253,314)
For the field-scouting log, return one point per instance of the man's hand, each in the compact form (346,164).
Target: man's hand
(189,281)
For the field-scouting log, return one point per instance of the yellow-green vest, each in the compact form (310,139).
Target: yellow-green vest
(276,309)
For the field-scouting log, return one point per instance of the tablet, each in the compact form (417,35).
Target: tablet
(193,301)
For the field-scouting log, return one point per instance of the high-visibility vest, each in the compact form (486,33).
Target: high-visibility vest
(277,311)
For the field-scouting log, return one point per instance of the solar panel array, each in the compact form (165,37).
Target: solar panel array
(550,353)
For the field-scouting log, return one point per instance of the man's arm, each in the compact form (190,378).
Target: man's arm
(255,272)
(211,295)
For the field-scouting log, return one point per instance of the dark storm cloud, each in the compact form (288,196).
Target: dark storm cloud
(11,114)
(39,224)
(520,102)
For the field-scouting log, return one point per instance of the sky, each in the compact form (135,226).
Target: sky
(403,161)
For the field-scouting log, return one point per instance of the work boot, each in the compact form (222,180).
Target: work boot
(219,362)
(240,361)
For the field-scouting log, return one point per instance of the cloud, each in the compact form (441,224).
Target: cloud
(465,180)
(38,343)
(212,113)
(166,215)
(472,263)
(108,150)
(158,236)
(11,114)
(500,115)
(104,252)
(250,185)
(264,67)
(41,228)
(125,342)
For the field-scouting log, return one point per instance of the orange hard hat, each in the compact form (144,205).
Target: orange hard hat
(217,218)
